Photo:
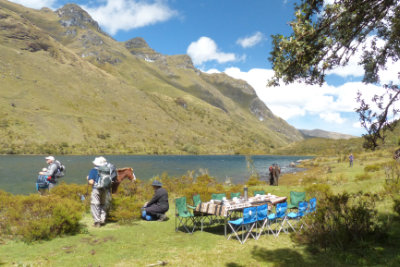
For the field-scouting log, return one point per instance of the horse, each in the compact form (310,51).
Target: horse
(122,174)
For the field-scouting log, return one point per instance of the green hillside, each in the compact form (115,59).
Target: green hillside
(67,87)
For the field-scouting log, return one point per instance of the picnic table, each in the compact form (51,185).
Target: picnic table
(226,208)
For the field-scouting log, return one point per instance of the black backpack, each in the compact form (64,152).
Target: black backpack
(60,169)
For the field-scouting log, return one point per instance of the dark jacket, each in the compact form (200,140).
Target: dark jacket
(159,202)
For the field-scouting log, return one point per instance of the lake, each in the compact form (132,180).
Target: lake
(18,173)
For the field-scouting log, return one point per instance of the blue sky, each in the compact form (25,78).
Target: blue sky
(234,36)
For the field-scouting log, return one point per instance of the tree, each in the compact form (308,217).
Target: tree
(326,36)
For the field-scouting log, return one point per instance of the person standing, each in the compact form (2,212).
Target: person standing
(52,170)
(271,175)
(156,208)
(276,173)
(351,158)
(100,198)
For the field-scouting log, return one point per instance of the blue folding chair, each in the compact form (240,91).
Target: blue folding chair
(245,225)
(262,220)
(312,207)
(297,216)
(280,216)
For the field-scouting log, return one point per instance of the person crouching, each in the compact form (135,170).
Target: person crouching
(156,208)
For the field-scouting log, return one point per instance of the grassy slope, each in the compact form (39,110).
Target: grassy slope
(55,96)
(148,242)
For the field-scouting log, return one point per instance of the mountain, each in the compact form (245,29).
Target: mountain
(68,87)
(324,134)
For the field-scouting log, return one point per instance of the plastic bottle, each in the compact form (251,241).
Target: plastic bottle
(245,193)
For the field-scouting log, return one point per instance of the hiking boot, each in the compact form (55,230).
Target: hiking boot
(162,218)
(96,225)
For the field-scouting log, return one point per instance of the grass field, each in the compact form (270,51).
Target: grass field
(146,243)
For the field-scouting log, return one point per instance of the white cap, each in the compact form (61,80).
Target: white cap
(100,161)
(50,158)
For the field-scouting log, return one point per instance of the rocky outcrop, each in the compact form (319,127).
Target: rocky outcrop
(73,15)
(138,47)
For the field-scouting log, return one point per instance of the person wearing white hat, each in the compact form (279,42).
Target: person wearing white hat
(51,171)
(100,198)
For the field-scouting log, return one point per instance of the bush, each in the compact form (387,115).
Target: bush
(396,205)
(125,210)
(319,191)
(343,221)
(372,168)
(36,217)
(255,180)
(75,192)
(363,176)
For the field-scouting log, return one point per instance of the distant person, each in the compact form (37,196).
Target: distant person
(351,158)
(276,173)
(54,169)
(100,178)
(156,208)
(271,175)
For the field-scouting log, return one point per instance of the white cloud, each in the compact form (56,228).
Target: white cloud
(357,125)
(250,41)
(205,49)
(296,100)
(116,15)
(332,117)
(36,4)
(353,68)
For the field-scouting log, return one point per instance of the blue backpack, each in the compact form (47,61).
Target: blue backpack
(42,182)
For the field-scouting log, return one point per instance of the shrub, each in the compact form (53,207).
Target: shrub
(75,192)
(255,180)
(125,209)
(36,217)
(396,205)
(372,168)
(319,191)
(343,221)
(363,176)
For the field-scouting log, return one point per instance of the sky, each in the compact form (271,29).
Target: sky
(234,37)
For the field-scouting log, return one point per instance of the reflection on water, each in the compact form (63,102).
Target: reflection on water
(18,173)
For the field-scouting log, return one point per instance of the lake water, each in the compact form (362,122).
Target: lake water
(18,173)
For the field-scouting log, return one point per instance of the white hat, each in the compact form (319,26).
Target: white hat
(50,158)
(100,161)
(44,170)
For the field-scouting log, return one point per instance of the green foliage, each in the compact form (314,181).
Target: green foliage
(125,210)
(326,36)
(255,181)
(372,168)
(396,205)
(344,221)
(73,192)
(36,217)
(363,176)
(319,191)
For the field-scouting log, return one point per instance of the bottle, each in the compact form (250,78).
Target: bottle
(245,193)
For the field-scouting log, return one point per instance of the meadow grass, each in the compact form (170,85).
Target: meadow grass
(144,243)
